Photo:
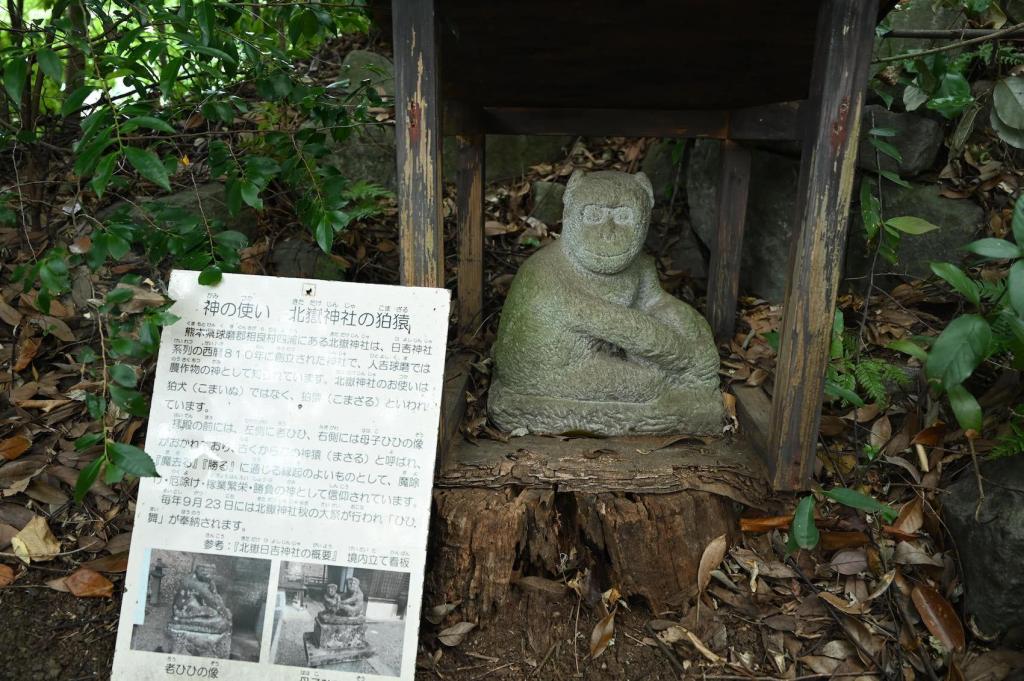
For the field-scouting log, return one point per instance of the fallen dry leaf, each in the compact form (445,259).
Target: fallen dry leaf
(454,635)
(437,614)
(86,583)
(850,561)
(712,557)
(776,522)
(932,436)
(842,605)
(938,616)
(881,432)
(6,575)
(13,447)
(8,314)
(26,349)
(908,554)
(35,541)
(911,517)
(603,635)
(117,562)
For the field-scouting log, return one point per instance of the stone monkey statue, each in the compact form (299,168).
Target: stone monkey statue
(588,339)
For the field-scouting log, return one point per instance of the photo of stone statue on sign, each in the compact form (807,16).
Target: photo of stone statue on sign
(340,618)
(204,605)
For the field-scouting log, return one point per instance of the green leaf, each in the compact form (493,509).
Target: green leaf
(1008,101)
(870,209)
(854,499)
(118,296)
(908,224)
(210,276)
(104,171)
(1015,287)
(324,235)
(958,279)
(1012,136)
(147,122)
(883,132)
(131,460)
(802,531)
(910,348)
(50,64)
(998,249)
(965,407)
(886,148)
(96,406)
(958,350)
(128,399)
(123,375)
(833,389)
(87,477)
(88,440)
(894,178)
(1018,221)
(149,166)
(112,475)
(953,96)
(75,100)
(14,78)
(232,239)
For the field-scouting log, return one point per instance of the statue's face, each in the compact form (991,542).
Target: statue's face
(204,572)
(352,583)
(605,221)
(332,589)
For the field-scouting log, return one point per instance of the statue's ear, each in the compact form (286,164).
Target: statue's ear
(645,182)
(574,181)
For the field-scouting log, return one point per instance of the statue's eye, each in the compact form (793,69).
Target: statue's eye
(593,214)
(623,215)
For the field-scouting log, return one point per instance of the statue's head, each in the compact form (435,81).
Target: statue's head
(332,589)
(604,225)
(204,572)
(352,583)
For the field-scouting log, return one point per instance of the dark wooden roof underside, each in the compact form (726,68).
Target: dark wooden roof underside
(700,54)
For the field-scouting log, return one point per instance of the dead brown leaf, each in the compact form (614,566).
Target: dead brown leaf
(834,540)
(6,575)
(603,635)
(911,517)
(938,616)
(13,447)
(712,557)
(842,605)
(26,350)
(8,314)
(850,562)
(436,614)
(86,583)
(35,542)
(932,436)
(117,562)
(768,524)
(454,635)
(881,432)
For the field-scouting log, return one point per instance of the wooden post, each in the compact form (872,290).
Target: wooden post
(842,54)
(724,274)
(418,142)
(470,186)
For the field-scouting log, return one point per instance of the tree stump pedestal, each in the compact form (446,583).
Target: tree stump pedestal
(635,512)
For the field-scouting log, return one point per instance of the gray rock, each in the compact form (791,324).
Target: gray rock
(547,202)
(991,548)
(662,165)
(677,242)
(920,14)
(509,157)
(362,65)
(368,154)
(917,138)
(206,199)
(301,259)
(771,212)
(588,339)
(958,221)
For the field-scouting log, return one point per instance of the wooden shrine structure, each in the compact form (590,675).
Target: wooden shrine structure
(736,70)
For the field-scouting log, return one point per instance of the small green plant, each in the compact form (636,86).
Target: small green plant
(1012,443)
(994,326)
(803,530)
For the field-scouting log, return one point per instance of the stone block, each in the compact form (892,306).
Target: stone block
(199,644)
(344,632)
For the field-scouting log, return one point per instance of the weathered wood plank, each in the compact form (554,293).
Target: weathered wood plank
(418,142)
(453,407)
(842,53)
(724,272)
(470,216)
(645,464)
(753,409)
(768,122)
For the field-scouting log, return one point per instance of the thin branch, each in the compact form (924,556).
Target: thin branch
(1001,33)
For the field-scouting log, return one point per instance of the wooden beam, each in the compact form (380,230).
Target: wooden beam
(724,273)
(636,464)
(470,215)
(453,407)
(842,54)
(418,142)
(769,122)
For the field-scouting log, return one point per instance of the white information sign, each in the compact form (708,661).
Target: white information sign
(294,426)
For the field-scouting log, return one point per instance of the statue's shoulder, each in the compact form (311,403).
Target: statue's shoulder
(546,264)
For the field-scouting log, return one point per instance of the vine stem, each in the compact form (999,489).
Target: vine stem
(952,46)
(977,476)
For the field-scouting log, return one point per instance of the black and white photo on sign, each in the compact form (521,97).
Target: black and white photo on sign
(340,618)
(203,605)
